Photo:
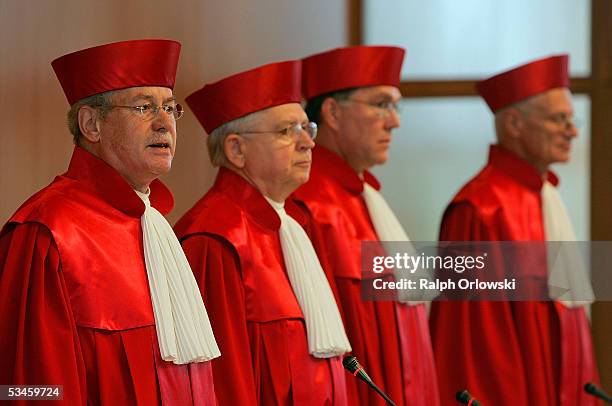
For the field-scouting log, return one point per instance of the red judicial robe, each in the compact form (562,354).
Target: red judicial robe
(75,308)
(390,339)
(231,238)
(508,353)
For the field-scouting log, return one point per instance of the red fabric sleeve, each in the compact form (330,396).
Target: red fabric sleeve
(39,342)
(217,270)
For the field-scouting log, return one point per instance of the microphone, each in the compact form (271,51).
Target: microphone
(592,389)
(352,365)
(464,397)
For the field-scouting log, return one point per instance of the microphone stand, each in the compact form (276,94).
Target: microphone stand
(352,365)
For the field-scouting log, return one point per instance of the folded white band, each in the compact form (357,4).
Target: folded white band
(326,335)
(568,279)
(389,229)
(183,329)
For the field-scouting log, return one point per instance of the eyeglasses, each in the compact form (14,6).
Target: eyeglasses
(385,108)
(291,134)
(149,111)
(563,121)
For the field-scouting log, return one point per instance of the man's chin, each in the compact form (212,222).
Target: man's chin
(302,179)
(563,157)
(160,170)
(381,159)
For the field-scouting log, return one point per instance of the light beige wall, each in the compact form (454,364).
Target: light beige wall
(219,37)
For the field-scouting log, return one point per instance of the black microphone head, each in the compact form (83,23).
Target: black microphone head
(463,396)
(352,366)
(596,391)
(350,363)
(590,388)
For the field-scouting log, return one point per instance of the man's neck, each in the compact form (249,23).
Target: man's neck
(268,191)
(139,185)
(518,151)
(328,140)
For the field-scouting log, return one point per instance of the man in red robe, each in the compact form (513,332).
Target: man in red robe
(83,302)
(271,306)
(352,94)
(516,352)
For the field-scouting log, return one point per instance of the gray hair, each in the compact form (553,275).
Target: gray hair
(101,102)
(216,139)
(524,106)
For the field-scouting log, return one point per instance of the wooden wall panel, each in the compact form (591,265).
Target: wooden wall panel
(601,172)
(219,38)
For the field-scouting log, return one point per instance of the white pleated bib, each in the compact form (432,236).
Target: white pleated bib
(326,335)
(568,279)
(389,229)
(183,329)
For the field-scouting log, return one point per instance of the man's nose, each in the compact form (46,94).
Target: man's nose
(393,119)
(304,141)
(163,121)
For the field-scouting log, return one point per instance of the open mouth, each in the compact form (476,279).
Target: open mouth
(162,145)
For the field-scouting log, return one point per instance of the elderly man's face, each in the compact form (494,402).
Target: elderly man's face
(277,163)
(365,125)
(139,149)
(549,128)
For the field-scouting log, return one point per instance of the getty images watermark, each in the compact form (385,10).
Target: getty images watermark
(408,265)
(490,270)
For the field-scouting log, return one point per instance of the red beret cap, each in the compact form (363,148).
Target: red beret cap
(247,92)
(344,68)
(149,62)
(524,81)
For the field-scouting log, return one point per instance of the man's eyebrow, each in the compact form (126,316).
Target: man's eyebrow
(150,98)
(142,96)
(286,123)
(385,95)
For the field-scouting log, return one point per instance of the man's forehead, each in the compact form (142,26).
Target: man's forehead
(290,112)
(384,91)
(555,99)
(145,92)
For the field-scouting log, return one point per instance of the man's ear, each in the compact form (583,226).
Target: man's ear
(234,148)
(513,122)
(89,125)
(330,113)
